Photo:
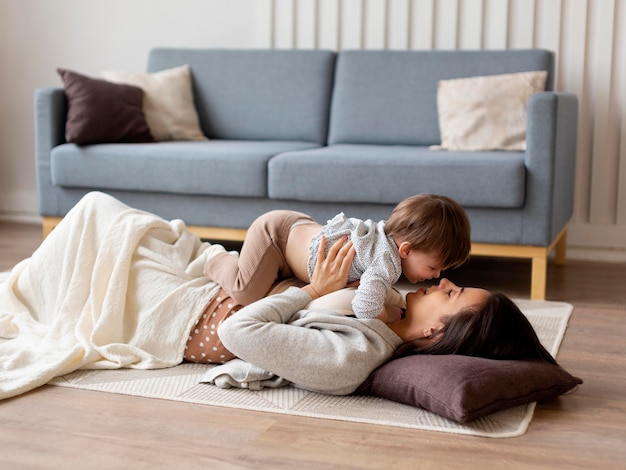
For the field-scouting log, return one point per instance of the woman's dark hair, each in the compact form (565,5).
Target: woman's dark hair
(496,330)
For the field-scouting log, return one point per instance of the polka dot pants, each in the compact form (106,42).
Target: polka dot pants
(204,345)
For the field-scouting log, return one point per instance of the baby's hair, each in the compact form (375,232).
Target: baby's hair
(432,223)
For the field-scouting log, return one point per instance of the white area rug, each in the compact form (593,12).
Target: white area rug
(180,383)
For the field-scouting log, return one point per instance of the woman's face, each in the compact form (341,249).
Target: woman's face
(426,307)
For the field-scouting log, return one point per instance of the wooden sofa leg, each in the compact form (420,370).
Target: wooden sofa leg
(538,277)
(48,223)
(560,249)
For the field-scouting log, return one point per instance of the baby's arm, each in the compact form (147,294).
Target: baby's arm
(369,300)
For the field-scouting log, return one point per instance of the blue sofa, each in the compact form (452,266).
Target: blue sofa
(323,132)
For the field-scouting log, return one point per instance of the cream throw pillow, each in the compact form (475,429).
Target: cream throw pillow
(168,101)
(486,113)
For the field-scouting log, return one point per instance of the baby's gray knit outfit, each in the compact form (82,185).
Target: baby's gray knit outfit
(377,262)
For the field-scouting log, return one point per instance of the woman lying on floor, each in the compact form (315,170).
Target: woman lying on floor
(115,287)
(317,348)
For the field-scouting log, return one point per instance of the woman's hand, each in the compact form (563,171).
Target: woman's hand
(331,271)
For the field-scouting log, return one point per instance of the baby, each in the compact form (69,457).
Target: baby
(424,235)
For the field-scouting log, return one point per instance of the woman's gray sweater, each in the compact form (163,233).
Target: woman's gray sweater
(318,350)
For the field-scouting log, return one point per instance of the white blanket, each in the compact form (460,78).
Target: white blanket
(110,287)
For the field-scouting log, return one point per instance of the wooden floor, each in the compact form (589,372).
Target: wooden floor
(55,427)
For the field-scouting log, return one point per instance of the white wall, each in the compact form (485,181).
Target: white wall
(588,36)
(37,36)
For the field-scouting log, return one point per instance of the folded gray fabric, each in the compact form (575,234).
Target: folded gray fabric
(241,374)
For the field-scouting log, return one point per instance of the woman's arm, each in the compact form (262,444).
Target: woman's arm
(316,350)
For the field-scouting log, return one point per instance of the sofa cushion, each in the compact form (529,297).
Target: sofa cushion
(388,174)
(167,103)
(216,167)
(99,111)
(257,94)
(390,97)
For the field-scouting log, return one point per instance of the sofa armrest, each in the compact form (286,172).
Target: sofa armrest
(551,163)
(50,116)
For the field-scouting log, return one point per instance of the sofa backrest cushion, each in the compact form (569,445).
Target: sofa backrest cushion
(257,94)
(390,97)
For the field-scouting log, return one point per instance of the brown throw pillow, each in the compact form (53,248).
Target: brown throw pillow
(167,101)
(103,112)
(463,388)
